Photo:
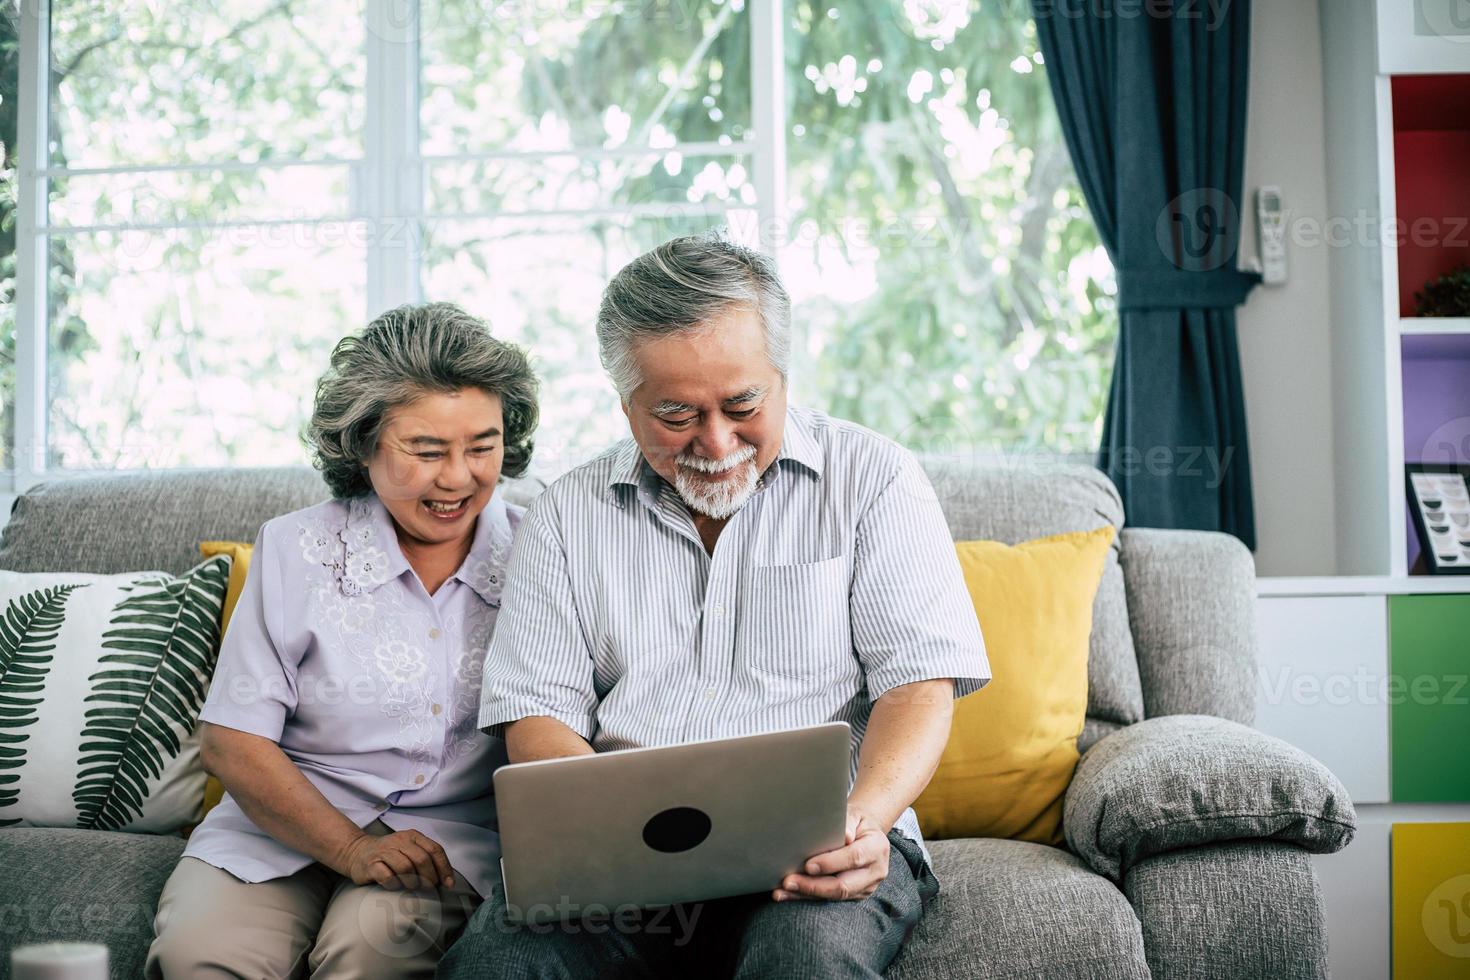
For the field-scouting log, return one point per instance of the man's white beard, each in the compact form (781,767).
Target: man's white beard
(719,499)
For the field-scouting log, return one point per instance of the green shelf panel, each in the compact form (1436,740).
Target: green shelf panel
(1429,698)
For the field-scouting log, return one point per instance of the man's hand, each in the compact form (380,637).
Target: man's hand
(850,873)
(405,859)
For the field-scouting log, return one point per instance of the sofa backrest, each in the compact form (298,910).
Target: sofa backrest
(147,519)
(155,520)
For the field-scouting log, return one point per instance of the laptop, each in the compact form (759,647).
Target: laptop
(659,826)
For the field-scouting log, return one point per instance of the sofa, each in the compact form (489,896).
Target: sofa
(1189,834)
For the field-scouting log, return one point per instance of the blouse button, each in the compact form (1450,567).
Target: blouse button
(434,633)
(436,709)
(419,779)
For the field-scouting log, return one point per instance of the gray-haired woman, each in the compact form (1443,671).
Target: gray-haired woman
(358,829)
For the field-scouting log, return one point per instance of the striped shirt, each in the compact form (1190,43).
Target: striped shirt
(836,582)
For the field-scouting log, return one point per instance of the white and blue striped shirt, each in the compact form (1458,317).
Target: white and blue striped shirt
(836,582)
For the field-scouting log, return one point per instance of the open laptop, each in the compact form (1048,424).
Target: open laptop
(679,823)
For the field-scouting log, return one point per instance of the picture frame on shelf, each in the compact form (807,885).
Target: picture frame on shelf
(1439,500)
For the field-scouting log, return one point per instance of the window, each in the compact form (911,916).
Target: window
(226,189)
(560,141)
(946,277)
(201,247)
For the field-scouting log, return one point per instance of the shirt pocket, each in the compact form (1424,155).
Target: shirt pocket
(795,621)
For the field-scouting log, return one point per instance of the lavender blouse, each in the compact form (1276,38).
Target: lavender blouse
(370,685)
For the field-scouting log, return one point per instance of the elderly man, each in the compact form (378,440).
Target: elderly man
(738,566)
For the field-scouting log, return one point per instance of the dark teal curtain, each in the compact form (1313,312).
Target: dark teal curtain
(1152,99)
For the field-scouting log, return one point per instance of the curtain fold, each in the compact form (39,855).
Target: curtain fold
(1152,100)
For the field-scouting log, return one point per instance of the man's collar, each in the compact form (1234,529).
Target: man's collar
(627,465)
(797,442)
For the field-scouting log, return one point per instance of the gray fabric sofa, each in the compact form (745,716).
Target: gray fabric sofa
(1188,832)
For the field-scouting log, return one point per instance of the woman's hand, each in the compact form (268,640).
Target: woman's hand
(282,802)
(404,859)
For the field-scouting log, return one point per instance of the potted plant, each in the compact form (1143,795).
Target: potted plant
(1449,295)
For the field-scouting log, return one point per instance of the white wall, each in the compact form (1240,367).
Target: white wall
(1285,344)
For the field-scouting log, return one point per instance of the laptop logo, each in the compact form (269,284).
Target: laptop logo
(676,829)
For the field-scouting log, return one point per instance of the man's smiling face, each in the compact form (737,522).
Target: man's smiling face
(710,411)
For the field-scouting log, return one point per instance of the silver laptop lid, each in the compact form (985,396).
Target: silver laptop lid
(680,823)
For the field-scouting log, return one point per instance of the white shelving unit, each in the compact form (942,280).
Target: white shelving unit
(1423,326)
(1365,47)
(1327,643)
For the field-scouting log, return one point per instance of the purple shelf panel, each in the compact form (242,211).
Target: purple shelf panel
(1436,376)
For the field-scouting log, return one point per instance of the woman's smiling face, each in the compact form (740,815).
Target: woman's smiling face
(437,463)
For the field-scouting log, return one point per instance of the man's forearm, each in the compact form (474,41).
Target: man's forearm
(905,738)
(539,737)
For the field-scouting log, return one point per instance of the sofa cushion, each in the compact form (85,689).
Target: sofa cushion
(241,553)
(1015,909)
(86,885)
(103,677)
(1193,616)
(1013,744)
(1015,502)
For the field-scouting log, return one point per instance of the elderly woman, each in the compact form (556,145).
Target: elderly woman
(358,831)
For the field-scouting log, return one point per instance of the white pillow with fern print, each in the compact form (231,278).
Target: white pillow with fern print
(101,681)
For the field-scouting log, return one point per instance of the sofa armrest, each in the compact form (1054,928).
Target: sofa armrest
(1192,611)
(1239,909)
(1184,780)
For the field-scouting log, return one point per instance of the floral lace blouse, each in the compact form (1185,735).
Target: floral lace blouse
(368,683)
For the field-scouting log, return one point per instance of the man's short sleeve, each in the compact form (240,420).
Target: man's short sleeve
(254,685)
(912,618)
(539,662)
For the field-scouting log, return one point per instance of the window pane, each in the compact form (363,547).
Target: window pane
(944,269)
(538,282)
(524,75)
(565,182)
(201,81)
(170,197)
(196,348)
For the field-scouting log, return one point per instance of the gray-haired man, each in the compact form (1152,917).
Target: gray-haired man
(739,565)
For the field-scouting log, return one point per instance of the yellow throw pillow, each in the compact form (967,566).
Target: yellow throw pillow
(1013,747)
(240,553)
